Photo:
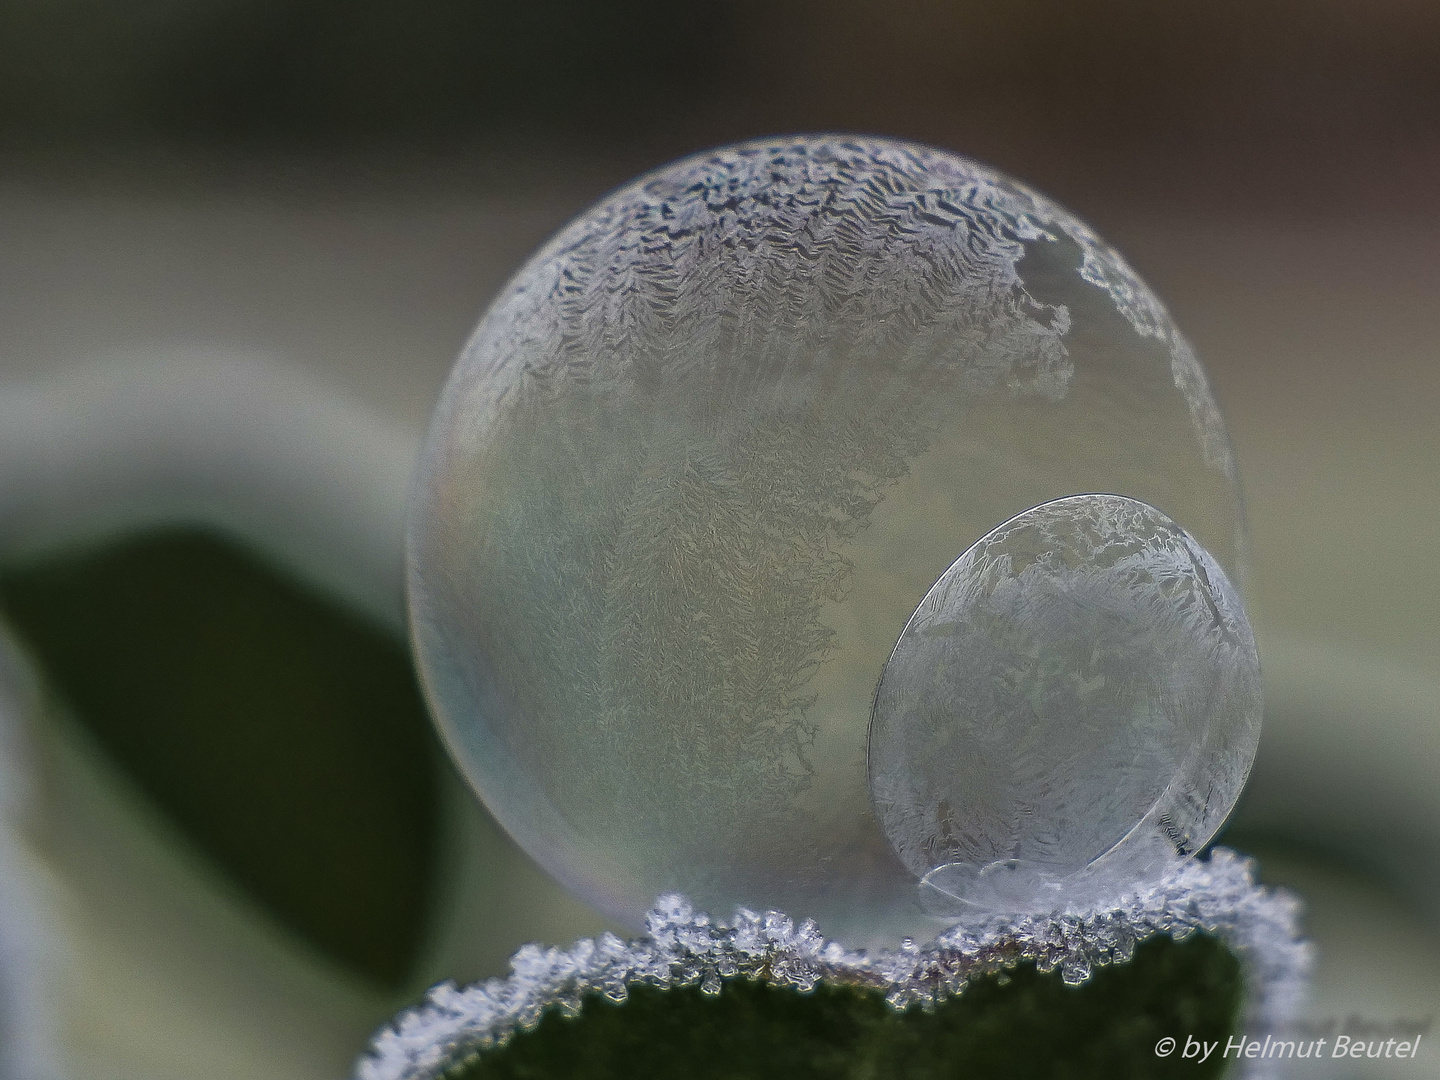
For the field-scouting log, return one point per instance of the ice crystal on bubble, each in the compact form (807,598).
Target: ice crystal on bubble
(682,947)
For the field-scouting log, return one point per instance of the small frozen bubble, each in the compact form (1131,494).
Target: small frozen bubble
(1075,701)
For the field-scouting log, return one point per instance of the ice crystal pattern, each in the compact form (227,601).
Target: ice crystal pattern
(702,459)
(684,948)
(1076,698)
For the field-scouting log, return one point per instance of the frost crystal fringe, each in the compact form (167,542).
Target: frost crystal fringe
(685,948)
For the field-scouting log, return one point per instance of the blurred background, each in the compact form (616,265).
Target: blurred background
(242,241)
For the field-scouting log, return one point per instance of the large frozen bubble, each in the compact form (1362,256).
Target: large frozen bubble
(1075,702)
(702,460)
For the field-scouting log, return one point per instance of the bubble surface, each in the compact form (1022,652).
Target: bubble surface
(1075,700)
(706,454)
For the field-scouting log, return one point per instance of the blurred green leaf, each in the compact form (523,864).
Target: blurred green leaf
(284,735)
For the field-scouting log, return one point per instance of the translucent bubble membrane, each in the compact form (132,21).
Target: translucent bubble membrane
(704,457)
(684,948)
(1075,700)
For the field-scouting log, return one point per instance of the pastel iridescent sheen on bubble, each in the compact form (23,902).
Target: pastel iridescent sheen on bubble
(704,457)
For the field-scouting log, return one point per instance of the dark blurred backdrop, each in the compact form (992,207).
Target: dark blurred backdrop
(1220,94)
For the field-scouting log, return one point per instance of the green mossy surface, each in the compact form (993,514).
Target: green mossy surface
(285,736)
(1022,1025)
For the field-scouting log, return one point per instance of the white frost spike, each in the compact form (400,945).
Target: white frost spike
(685,948)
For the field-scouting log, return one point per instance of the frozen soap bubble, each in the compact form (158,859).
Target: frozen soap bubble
(703,458)
(1074,702)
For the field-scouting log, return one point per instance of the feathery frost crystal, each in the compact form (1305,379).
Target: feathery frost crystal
(701,462)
